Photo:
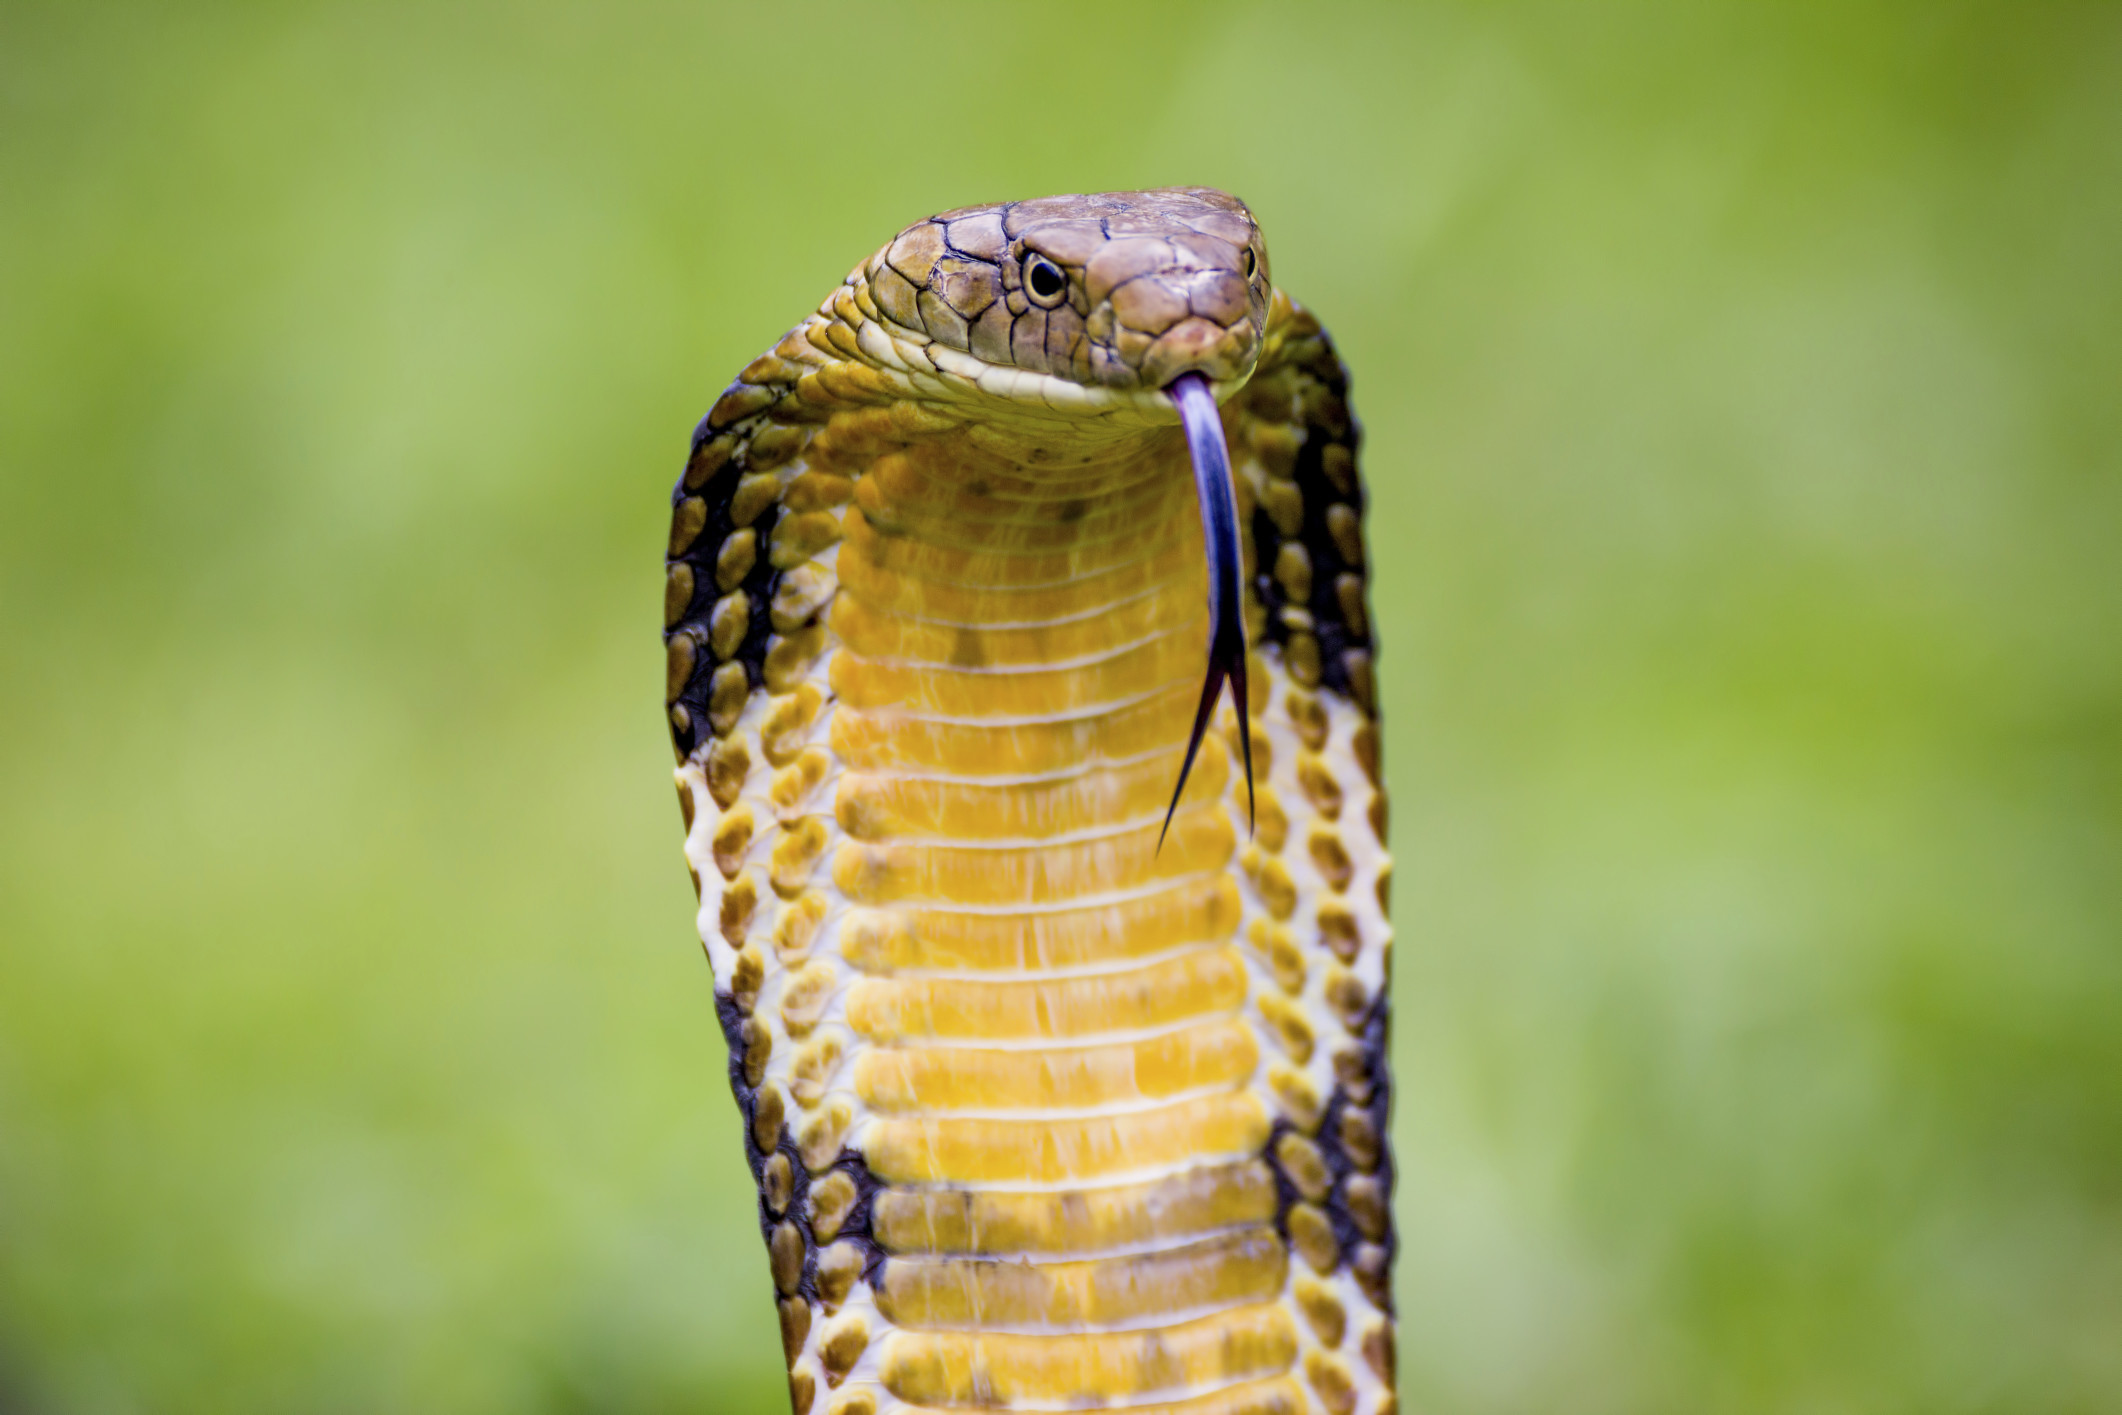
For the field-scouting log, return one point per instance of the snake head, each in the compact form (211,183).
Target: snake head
(1119,290)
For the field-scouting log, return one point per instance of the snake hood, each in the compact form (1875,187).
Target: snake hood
(1054,984)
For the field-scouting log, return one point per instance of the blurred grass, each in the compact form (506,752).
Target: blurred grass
(1742,394)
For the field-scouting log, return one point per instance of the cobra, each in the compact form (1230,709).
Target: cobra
(1046,894)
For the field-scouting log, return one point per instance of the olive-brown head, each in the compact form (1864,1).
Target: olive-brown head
(1119,290)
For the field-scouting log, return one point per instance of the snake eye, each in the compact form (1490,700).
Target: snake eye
(1250,263)
(1043,281)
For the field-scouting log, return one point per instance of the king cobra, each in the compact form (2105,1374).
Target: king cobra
(1053,974)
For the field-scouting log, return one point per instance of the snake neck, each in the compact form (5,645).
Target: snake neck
(1019,526)
(1022,609)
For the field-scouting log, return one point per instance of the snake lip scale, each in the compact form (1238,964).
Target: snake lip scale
(1061,1061)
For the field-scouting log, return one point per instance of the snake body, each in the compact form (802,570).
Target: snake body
(1062,1065)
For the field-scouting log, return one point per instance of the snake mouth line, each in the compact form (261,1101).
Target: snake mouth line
(1196,401)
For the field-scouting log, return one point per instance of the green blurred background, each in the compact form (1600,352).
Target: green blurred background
(1744,390)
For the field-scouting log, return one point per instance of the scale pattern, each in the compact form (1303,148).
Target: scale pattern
(1043,1117)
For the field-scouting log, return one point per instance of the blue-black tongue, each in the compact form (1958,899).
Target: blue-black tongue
(1226,583)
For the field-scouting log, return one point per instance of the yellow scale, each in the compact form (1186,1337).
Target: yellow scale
(1063,1092)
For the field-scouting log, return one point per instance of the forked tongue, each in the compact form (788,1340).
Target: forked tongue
(1226,586)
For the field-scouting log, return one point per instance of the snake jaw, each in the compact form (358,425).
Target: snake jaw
(1192,395)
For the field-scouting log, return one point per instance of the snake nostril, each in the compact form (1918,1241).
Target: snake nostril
(1251,263)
